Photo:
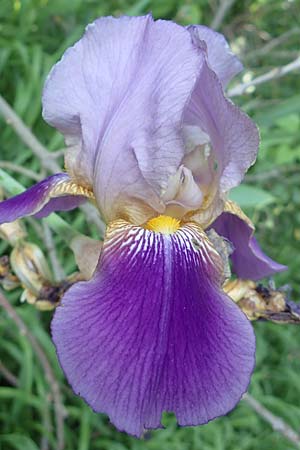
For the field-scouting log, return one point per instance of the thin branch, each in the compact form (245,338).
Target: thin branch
(58,271)
(273,43)
(27,136)
(49,374)
(19,169)
(285,54)
(57,153)
(276,422)
(221,12)
(46,159)
(277,72)
(10,377)
(44,445)
(92,216)
(274,173)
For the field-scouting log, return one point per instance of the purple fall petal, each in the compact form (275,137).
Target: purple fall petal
(65,203)
(220,57)
(152,331)
(37,200)
(118,95)
(248,259)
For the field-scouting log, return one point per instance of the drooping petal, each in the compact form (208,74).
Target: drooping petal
(233,136)
(248,259)
(220,57)
(51,194)
(119,95)
(152,331)
(64,203)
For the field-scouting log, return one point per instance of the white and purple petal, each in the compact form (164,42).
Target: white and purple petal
(248,259)
(41,199)
(118,95)
(153,331)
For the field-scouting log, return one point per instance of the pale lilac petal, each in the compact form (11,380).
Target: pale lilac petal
(221,59)
(153,331)
(233,136)
(37,200)
(183,194)
(248,259)
(119,95)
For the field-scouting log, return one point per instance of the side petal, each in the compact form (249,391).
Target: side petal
(49,195)
(233,136)
(119,95)
(221,59)
(248,259)
(153,331)
(64,203)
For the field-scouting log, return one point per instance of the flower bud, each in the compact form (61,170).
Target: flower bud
(12,232)
(7,279)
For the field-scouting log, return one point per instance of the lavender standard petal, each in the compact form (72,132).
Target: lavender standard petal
(118,96)
(152,331)
(233,136)
(248,259)
(221,59)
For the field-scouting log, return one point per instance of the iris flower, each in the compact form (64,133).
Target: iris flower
(155,144)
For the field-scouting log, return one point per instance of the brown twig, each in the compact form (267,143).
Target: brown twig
(58,153)
(19,169)
(46,159)
(277,72)
(53,385)
(277,423)
(47,426)
(10,377)
(274,173)
(273,43)
(27,136)
(221,12)
(58,271)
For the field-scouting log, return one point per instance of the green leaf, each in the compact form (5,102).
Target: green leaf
(18,441)
(251,197)
(267,116)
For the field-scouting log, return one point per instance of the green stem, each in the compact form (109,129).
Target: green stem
(56,223)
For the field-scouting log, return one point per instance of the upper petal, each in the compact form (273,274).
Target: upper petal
(152,331)
(248,259)
(221,59)
(51,194)
(118,95)
(233,136)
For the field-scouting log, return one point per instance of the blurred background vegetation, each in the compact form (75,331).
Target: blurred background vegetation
(265,34)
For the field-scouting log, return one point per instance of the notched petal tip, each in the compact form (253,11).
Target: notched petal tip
(153,331)
(220,56)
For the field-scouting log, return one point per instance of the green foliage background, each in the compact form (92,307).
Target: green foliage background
(33,35)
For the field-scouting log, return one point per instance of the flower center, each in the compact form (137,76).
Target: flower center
(163,224)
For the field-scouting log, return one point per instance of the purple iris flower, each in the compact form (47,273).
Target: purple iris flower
(153,140)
